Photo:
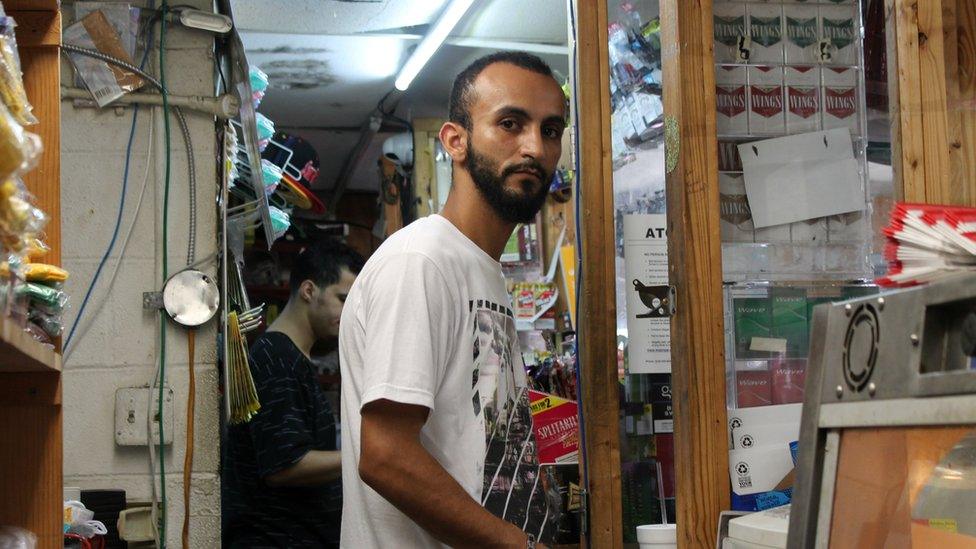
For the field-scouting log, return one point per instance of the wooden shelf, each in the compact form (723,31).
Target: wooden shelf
(31,5)
(21,353)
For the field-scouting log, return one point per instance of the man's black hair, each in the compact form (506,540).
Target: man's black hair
(322,263)
(461,93)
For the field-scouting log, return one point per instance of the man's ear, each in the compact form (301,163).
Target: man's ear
(306,291)
(454,139)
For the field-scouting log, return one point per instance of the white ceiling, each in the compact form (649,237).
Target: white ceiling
(331,61)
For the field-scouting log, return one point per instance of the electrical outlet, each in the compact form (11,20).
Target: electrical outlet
(131,406)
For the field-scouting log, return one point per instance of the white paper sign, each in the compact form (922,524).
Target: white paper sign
(800,177)
(646,260)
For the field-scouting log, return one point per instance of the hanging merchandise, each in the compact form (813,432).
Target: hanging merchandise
(45,274)
(242,397)
(280,221)
(11,78)
(258,78)
(266,130)
(259,85)
(271,176)
(19,149)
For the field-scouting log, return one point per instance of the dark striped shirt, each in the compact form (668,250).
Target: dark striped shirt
(295,417)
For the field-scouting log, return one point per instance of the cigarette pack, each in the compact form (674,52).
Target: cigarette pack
(766,33)
(789,377)
(736,217)
(766,113)
(802,34)
(840,101)
(802,99)
(837,30)
(730,99)
(753,388)
(731,38)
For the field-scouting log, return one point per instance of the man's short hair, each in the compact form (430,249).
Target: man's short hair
(322,263)
(461,93)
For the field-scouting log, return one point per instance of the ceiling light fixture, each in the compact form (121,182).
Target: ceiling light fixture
(429,45)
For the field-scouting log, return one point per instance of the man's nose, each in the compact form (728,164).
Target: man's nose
(532,144)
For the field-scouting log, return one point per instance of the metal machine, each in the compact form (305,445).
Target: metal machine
(888,436)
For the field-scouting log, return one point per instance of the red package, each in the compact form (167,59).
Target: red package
(789,377)
(753,388)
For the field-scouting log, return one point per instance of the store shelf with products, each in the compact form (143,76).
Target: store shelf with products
(19,352)
(30,372)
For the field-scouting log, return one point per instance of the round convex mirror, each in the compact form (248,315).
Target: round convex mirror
(191,297)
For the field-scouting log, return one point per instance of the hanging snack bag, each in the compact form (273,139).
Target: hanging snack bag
(11,78)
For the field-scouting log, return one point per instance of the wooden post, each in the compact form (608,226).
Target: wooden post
(695,269)
(959,19)
(597,320)
(932,55)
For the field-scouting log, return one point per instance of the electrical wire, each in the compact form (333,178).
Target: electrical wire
(115,231)
(165,235)
(180,117)
(191,168)
(188,456)
(122,249)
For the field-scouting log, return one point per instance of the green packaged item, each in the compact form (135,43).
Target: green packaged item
(752,317)
(259,80)
(266,127)
(280,220)
(49,297)
(790,321)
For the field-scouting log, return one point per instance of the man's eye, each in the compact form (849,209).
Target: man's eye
(509,124)
(552,133)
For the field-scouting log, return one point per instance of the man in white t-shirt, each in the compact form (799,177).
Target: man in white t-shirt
(437,440)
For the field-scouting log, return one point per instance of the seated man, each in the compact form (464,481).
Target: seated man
(281,474)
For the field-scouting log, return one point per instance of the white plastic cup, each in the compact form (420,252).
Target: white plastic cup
(657,536)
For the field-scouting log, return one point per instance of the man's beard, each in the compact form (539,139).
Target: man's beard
(510,207)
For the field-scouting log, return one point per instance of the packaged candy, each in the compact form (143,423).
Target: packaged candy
(11,79)
(41,272)
(18,149)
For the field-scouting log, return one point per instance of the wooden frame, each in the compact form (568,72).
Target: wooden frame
(932,55)
(697,337)
(931,59)
(597,311)
(695,269)
(30,387)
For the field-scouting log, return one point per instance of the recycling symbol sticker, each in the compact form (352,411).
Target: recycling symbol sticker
(742,468)
(747,441)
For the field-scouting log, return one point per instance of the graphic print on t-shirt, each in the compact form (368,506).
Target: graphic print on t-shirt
(515,488)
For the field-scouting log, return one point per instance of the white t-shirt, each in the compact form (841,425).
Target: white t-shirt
(429,322)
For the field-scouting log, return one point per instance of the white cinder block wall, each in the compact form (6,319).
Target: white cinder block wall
(120,348)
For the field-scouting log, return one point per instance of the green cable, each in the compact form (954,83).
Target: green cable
(162,323)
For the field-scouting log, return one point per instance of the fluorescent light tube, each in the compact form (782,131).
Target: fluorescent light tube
(212,22)
(435,37)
